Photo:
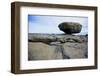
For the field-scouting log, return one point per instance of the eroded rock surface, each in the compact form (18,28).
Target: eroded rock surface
(42,51)
(58,46)
(62,38)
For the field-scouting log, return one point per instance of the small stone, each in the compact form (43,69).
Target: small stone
(55,43)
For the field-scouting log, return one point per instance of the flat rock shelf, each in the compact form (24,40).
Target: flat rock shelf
(57,46)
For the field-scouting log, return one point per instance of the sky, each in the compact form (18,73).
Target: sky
(49,24)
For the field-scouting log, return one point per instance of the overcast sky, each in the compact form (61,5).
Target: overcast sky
(49,24)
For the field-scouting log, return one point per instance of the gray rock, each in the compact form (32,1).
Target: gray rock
(75,50)
(41,38)
(55,43)
(41,51)
(49,38)
(70,27)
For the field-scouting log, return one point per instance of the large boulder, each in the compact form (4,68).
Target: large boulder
(75,50)
(70,27)
(42,51)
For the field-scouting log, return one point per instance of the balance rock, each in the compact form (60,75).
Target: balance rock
(70,27)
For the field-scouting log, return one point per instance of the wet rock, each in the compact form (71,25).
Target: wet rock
(70,27)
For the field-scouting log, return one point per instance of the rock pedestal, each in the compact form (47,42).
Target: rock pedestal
(58,46)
